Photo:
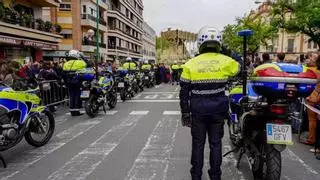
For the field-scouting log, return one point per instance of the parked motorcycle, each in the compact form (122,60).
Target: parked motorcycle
(126,85)
(149,79)
(102,92)
(259,123)
(140,82)
(21,115)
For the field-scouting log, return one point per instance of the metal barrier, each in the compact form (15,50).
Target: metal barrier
(53,92)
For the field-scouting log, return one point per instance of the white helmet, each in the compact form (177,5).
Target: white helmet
(175,62)
(129,59)
(209,34)
(75,54)
(146,62)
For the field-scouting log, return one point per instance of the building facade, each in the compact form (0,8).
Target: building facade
(78,19)
(149,43)
(125,31)
(289,43)
(24,36)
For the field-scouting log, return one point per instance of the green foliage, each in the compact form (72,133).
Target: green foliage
(162,43)
(300,16)
(262,33)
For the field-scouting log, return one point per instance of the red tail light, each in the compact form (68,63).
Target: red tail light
(278,109)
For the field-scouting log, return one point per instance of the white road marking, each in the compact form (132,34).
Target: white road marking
(176,89)
(137,96)
(153,160)
(167,96)
(111,112)
(153,100)
(292,156)
(139,112)
(152,96)
(172,92)
(69,114)
(171,113)
(32,156)
(85,162)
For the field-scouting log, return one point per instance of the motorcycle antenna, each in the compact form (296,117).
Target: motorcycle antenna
(245,34)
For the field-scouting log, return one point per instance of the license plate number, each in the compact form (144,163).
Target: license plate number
(279,134)
(121,85)
(85,94)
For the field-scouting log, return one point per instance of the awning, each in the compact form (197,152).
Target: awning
(26,42)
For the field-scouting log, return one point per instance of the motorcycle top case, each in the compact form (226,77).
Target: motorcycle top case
(276,79)
(87,74)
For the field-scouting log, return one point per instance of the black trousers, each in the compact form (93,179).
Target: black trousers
(175,76)
(75,97)
(201,126)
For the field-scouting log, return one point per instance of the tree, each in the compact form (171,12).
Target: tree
(263,32)
(299,16)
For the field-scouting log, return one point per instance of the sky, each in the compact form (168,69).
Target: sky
(191,15)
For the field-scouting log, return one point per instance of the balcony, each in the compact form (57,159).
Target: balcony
(31,29)
(102,3)
(118,48)
(43,3)
(89,20)
(116,13)
(91,46)
(117,32)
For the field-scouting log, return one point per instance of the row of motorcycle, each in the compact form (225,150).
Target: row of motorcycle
(102,91)
(23,116)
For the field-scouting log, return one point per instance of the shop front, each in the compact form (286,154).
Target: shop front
(22,49)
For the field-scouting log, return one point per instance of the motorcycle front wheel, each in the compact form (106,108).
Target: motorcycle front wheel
(113,100)
(43,126)
(92,106)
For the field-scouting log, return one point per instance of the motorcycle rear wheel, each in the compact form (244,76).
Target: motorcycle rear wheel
(270,168)
(123,95)
(92,107)
(50,130)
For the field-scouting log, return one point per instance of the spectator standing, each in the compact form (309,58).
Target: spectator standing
(313,100)
(266,58)
(281,57)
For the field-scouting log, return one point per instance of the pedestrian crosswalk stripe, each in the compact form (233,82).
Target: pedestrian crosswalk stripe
(34,155)
(156,152)
(111,112)
(139,112)
(171,113)
(153,100)
(86,161)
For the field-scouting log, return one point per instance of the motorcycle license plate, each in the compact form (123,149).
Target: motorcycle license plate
(147,78)
(121,85)
(279,134)
(85,94)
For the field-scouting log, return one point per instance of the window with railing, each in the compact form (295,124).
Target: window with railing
(65,7)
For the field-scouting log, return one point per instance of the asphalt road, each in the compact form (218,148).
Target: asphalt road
(139,139)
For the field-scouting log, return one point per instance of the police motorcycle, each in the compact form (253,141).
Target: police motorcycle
(126,84)
(259,124)
(149,78)
(140,81)
(21,115)
(99,92)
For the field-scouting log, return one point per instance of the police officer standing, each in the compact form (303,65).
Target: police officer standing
(74,63)
(175,72)
(203,102)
